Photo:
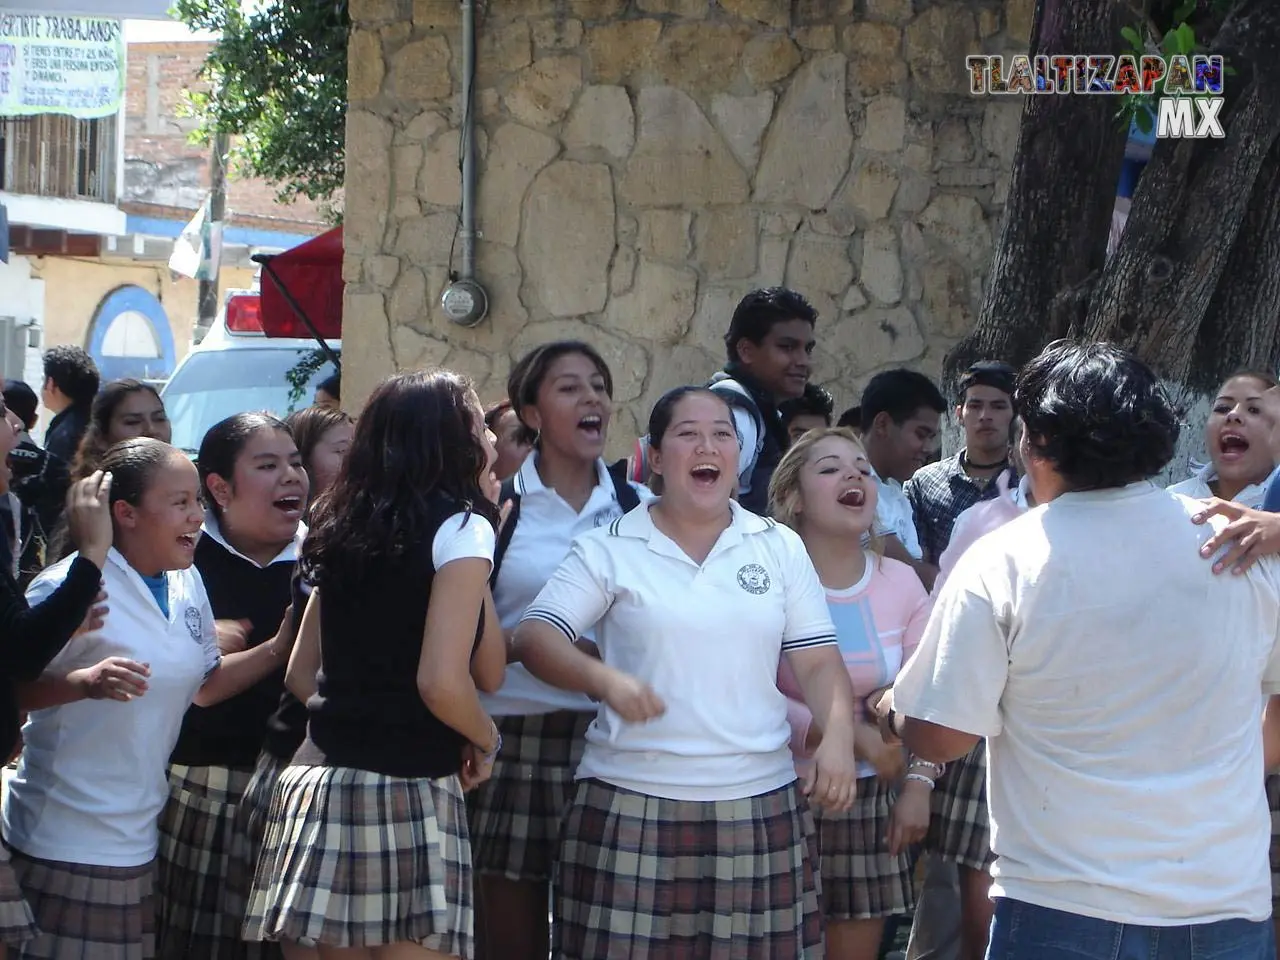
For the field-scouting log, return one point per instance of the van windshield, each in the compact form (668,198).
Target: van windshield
(217,384)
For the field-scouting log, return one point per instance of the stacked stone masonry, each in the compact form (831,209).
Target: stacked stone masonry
(644,163)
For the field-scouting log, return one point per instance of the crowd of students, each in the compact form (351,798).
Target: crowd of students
(389,688)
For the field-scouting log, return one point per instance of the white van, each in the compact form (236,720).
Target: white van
(237,368)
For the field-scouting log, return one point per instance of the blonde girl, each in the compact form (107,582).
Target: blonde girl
(824,489)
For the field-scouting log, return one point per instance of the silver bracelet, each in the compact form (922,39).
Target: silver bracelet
(920,778)
(938,768)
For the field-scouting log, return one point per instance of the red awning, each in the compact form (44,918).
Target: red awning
(312,275)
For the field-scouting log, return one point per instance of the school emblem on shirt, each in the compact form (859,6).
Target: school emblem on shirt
(192,617)
(754,578)
(606,517)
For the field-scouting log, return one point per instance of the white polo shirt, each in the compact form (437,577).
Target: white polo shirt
(92,778)
(895,515)
(544,532)
(1117,680)
(707,638)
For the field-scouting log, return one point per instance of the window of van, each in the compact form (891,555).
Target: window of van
(211,386)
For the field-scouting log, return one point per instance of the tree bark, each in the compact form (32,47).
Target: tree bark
(1241,328)
(1061,196)
(1188,210)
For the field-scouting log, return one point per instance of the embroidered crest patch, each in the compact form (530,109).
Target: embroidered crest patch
(192,617)
(754,578)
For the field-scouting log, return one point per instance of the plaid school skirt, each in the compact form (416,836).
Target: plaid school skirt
(861,880)
(17,925)
(643,877)
(192,867)
(87,912)
(515,815)
(358,859)
(959,825)
(247,831)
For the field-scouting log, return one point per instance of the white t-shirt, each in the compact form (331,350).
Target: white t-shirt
(1117,680)
(707,638)
(461,536)
(895,515)
(543,534)
(92,778)
(1197,487)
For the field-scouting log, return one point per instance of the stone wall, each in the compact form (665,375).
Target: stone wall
(647,162)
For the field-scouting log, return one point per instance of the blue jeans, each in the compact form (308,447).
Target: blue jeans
(1022,931)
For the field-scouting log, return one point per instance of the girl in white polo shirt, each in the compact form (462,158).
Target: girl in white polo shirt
(688,833)
(80,815)
(1236,436)
(562,393)
(825,490)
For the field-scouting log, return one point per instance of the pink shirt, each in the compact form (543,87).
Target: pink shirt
(976,522)
(879,622)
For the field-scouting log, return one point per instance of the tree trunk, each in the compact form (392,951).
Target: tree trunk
(1241,328)
(1061,196)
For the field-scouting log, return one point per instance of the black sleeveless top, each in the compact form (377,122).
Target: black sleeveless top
(367,713)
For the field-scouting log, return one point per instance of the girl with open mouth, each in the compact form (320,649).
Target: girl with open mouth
(254,488)
(824,489)
(81,816)
(1237,439)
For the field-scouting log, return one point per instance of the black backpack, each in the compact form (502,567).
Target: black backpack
(626,496)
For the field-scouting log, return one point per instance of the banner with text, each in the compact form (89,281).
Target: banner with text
(55,64)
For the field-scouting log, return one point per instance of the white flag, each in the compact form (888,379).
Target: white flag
(198,250)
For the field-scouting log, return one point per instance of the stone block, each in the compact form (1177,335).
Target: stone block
(557,33)
(952,142)
(352,270)
(382,270)
(376,11)
(937,42)
(622,274)
(988,22)
(772,13)
(420,71)
(886,125)
(945,305)
(957,222)
(408,303)
(866,196)
(544,91)
(684,57)
(368,146)
(617,50)
(1001,124)
(602,119)
(727,242)
(406,161)
(679,160)
(664,234)
(659,305)
(684,9)
(881,273)
(742,122)
(502,274)
(440,180)
(894,11)
(501,48)
(427,239)
(817,38)
(875,59)
(516,154)
(819,264)
(876,337)
(675,366)
(813,114)
(573,203)
(768,59)
(1019,15)
(914,191)
(597,9)
(365,67)
(821,11)
(433,14)
(423,128)
(716,303)
(366,358)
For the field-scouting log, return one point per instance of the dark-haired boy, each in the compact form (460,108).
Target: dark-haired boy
(901,417)
(940,492)
(809,412)
(769,343)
